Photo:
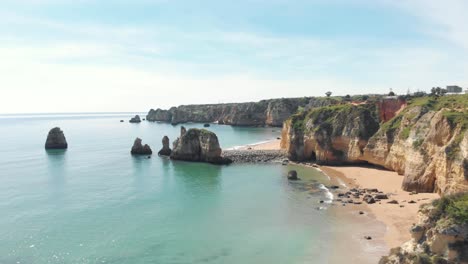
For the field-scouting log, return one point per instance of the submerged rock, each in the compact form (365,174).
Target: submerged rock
(166,150)
(135,119)
(198,145)
(206,125)
(292,175)
(56,139)
(140,149)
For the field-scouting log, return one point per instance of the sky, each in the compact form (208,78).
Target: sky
(104,56)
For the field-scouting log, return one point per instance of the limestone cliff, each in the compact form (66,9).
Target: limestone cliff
(330,135)
(263,113)
(427,141)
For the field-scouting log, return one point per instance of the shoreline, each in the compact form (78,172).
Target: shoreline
(397,218)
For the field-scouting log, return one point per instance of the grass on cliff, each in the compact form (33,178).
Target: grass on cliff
(454,207)
(455,110)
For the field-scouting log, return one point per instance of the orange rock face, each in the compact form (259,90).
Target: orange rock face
(389,108)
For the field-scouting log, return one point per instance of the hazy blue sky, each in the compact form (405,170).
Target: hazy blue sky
(83,55)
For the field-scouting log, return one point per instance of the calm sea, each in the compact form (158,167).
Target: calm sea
(95,203)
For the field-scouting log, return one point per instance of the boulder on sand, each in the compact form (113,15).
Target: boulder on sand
(56,139)
(166,150)
(135,119)
(139,149)
(198,145)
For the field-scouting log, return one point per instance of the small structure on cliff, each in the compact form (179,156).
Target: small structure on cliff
(135,119)
(166,150)
(56,139)
(198,145)
(139,149)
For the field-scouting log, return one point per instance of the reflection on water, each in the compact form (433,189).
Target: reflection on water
(56,164)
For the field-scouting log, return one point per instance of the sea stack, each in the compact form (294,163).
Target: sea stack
(139,149)
(56,139)
(166,150)
(135,119)
(198,145)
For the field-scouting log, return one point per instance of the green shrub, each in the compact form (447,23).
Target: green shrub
(405,133)
(417,143)
(454,207)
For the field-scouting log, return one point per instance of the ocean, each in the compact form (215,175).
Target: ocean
(96,203)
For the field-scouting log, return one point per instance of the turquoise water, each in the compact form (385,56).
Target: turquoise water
(95,203)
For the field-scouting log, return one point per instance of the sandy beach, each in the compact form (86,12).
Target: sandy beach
(268,145)
(398,218)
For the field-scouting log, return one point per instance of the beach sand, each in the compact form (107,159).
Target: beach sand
(397,219)
(269,145)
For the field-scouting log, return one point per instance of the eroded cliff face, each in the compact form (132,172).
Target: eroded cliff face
(426,144)
(425,147)
(264,113)
(331,134)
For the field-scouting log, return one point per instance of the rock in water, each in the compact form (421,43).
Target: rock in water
(56,139)
(139,149)
(292,175)
(206,125)
(135,119)
(198,145)
(165,151)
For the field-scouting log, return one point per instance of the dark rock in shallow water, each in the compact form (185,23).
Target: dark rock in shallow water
(292,175)
(139,149)
(206,125)
(135,119)
(165,151)
(56,139)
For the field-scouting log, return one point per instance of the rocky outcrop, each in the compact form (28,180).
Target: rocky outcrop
(56,139)
(198,145)
(160,115)
(135,119)
(331,134)
(427,141)
(440,236)
(264,113)
(255,156)
(139,149)
(166,150)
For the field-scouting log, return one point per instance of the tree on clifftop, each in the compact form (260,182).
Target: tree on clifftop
(328,94)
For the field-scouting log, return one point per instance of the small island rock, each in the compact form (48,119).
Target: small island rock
(139,149)
(135,119)
(198,145)
(166,150)
(56,139)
